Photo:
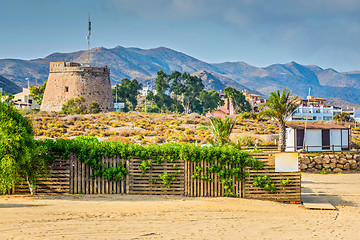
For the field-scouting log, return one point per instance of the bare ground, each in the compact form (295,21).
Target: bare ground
(165,217)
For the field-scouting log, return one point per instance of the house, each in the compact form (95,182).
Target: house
(317,137)
(315,109)
(255,100)
(226,109)
(23,100)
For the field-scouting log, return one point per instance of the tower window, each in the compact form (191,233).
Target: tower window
(66,89)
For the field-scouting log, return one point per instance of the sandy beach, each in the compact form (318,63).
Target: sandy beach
(169,217)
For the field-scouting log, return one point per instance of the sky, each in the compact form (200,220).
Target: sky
(259,32)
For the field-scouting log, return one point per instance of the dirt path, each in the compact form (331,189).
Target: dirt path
(155,217)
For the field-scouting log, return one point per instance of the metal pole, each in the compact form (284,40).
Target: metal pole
(306,119)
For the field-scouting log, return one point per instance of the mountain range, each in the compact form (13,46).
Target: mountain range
(143,65)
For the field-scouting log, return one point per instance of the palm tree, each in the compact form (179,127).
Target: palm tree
(221,129)
(280,107)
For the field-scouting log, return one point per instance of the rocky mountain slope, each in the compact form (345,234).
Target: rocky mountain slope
(143,65)
(8,86)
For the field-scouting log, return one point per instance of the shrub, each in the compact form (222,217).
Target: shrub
(74,106)
(94,107)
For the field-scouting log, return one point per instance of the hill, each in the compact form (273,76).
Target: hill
(8,86)
(143,65)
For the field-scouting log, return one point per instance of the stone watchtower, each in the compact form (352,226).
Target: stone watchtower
(69,80)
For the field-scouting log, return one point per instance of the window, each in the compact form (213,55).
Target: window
(66,89)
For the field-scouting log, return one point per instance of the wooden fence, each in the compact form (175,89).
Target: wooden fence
(58,180)
(74,177)
(291,192)
(195,187)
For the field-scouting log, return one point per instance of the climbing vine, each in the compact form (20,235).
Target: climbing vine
(264,182)
(226,162)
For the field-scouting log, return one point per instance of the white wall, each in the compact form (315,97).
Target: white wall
(345,138)
(290,143)
(313,138)
(335,139)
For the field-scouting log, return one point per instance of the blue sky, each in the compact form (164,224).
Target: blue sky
(258,32)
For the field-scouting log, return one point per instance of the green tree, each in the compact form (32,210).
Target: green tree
(221,129)
(37,93)
(162,97)
(192,86)
(238,99)
(280,107)
(210,100)
(343,117)
(127,92)
(75,106)
(94,107)
(20,156)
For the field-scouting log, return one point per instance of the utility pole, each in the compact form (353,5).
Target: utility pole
(306,119)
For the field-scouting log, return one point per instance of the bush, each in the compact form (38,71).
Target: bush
(20,156)
(152,109)
(74,106)
(94,107)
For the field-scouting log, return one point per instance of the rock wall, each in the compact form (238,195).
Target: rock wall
(71,80)
(330,162)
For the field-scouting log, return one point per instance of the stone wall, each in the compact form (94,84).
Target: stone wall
(330,162)
(71,80)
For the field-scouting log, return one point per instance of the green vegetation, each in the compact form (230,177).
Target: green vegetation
(94,107)
(221,129)
(182,93)
(20,156)
(127,92)
(280,107)
(264,182)
(77,106)
(37,93)
(343,117)
(238,99)
(286,182)
(74,106)
(230,162)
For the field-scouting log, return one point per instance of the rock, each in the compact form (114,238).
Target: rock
(346,166)
(353,166)
(333,160)
(318,160)
(311,165)
(305,160)
(318,166)
(327,166)
(337,170)
(349,156)
(326,159)
(342,160)
(352,161)
(303,166)
(339,166)
(332,165)
(357,157)
(331,156)
(337,157)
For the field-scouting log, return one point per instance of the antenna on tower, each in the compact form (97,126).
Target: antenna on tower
(88,40)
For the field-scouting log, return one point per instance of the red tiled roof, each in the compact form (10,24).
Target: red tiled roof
(316,126)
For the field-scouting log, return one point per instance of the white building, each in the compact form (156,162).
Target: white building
(23,100)
(315,113)
(317,137)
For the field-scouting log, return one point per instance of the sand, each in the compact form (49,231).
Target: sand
(169,217)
